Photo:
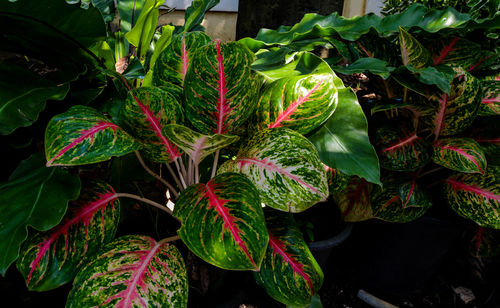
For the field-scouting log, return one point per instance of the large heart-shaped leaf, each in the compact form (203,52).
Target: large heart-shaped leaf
(285,168)
(36,196)
(223,222)
(194,144)
(289,272)
(220,87)
(412,52)
(490,104)
(460,154)
(82,135)
(476,196)
(354,200)
(132,271)
(145,112)
(172,65)
(53,258)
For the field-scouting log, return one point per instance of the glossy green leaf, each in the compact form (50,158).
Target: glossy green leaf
(50,259)
(476,196)
(354,200)
(440,76)
(289,272)
(372,65)
(412,52)
(82,135)
(337,180)
(145,112)
(196,12)
(161,44)
(490,104)
(459,154)
(129,11)
(34,196)
(343,143)
(132,271)
(483,242)
(285,168)
(194,144)
(223,222)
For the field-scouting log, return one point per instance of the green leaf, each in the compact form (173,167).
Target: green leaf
(132,271)
(343,143)
(223,222)
(373,65)
(53,258)
(106,8)
(129,10)
(337,180)
(194,144)
(161,44)
(196,12)
(82,135)
(438,76)
(289,272)
(483,242)
(285,168)
(460,154)
(354,200)
(490,104)
(412,52)
(34,196)
(476,196)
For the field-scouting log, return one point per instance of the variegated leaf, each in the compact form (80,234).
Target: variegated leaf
(132,271)
(172,65)
(220,87)
(82,135)
(337,180)
(223,222)
(412,52)
(301,103)
(50,259)
(145,112)
(484,242)
(460,154)
(476,196)
(354,200)
(289,272)
(285,168)
(196,145)
(490,104)
(457,51)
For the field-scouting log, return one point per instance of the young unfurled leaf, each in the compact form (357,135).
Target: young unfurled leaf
(285,168)
(223,222)
(490,104)
(476,196)
(412,52)
(82,135)
(50,259)
(460,154)
(132,271)
(289,272)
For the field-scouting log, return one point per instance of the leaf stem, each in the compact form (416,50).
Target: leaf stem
(196,174)
(183,169)
(216,160)
(180,174)
(176,179)
(190,178)
(169,239)
(150,202)
(429,172)
(156,176)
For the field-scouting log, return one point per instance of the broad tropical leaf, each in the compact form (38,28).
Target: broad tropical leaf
(337,180)
(490,104)
(161,44)
(145,112)
(132,271)
(194,144)
(460,154)
(50,259)
(412,52)
(289,272)
(196,12)
(354,200)
(483,242)
(476,196)
(220,87)
(285,168)
(223,222)
(373,65)
(173,63)
(36,196)
(82,135)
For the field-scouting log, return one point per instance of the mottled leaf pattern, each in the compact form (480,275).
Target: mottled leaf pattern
(132,271)
(194,144)
(460,154)
(354,200)
(457,51)
(82,135)
(145,112)
(289,272)
(285,168)
(223,222)
(220,87)
(50,259)
(337,180)
(476,196)
(490,104)
(483,242)
(412,52)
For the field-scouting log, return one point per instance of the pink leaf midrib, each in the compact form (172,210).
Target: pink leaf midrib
(222,104)
(441,114)
(446,50)
(456,185)
(184,57)
(402,143)
(463,153)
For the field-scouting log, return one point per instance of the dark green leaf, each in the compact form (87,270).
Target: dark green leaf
(373,65)
(196,12)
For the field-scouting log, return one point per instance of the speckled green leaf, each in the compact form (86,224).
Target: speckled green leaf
(194,144)
(483,242)
(36,196)
(172,65)
(289,272)
(337,180)
(223,222)
(490,104)
(476,196)
(132,271)
(459,154)
(50,259)
(220,87)
(412,52)
(82,135)
(401,149)
(145,112)
(354,200)
(285,167)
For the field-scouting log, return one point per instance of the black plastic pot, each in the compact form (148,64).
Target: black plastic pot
(321,250)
